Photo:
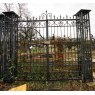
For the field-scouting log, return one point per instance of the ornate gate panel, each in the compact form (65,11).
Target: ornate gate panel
(32,50)
(63,47)
(50,47)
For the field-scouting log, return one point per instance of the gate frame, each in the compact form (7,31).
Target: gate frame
(81,16)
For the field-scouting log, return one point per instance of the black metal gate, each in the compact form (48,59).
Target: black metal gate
(51,48)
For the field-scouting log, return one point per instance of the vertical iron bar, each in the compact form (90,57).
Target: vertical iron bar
(91,70)
(4,60)
(82,47)
(47,50)
(16,47)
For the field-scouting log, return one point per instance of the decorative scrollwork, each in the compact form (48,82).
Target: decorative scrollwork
(46,15)
(60,23)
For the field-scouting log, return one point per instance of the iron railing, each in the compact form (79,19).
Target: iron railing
(46,49)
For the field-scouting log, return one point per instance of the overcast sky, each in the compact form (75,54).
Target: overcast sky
(59,7)
(63,9)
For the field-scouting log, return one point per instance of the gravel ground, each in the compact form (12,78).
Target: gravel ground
(50,86)
(60,86)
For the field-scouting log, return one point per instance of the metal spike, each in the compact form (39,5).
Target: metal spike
(39,17)
(33,17)
(60,16)
(54,16)
(30,19)
(27,18)
(46,11)
(66,17)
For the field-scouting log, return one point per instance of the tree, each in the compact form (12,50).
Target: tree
(8,6)
(20,8)
(23,10)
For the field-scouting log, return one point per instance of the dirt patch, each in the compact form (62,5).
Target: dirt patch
(7,86)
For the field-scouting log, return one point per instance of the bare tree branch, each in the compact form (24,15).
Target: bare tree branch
(26,33)
(8,6)
(23,10)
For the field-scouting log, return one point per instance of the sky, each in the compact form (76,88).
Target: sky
(59,7)
(63,9)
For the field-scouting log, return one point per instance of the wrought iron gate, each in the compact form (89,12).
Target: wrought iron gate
(50,48)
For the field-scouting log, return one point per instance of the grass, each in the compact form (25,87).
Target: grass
(38,71)
(36,68)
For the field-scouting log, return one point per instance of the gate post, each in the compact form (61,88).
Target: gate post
(1,44)
(85,44)
(10,46)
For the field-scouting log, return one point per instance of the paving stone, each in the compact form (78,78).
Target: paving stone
(93,74)
(19,88)
(91,83)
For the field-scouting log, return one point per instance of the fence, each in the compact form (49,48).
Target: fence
(46,49)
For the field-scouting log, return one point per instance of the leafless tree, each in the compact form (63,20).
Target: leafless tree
(6,6)
(23,10)
(20,8)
